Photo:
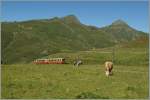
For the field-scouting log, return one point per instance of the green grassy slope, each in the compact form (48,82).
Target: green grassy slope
(25,41)
(141,42)
(122,56)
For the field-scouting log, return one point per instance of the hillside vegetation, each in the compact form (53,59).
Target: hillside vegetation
(22,42)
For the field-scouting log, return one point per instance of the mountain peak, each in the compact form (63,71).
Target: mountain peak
(70,19)
(119,22)
(71,16)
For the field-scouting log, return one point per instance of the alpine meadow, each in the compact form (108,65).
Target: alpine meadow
(25,43)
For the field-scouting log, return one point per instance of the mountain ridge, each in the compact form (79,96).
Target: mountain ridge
(36,38)
(73,17)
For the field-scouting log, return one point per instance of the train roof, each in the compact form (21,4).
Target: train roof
(50,59)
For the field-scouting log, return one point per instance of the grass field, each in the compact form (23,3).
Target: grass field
(65,81)
(122,56)
(129,79)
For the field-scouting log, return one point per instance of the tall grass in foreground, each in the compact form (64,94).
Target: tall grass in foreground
(64,81)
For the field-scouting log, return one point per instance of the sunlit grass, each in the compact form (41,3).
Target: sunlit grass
(65,81)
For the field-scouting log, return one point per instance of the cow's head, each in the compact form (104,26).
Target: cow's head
(107,73)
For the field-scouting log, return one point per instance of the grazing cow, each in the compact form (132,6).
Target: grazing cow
(108,68)
(77,62)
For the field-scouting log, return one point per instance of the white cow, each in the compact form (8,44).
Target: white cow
(108,68)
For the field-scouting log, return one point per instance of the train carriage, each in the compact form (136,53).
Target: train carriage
(50,61)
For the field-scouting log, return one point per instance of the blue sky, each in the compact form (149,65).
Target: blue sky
(97,13)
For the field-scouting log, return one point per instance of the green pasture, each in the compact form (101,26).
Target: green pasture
(120,56)
(24,81)
(129,79)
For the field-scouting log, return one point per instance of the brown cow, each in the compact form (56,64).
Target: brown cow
(108,68)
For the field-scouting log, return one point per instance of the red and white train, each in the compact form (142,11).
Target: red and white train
(50,61)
